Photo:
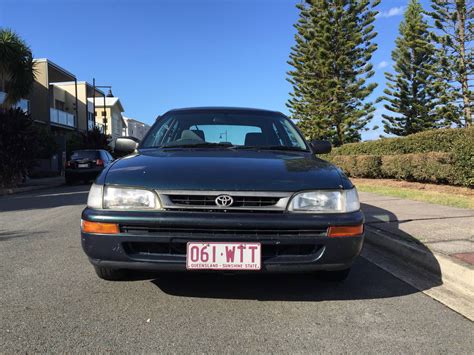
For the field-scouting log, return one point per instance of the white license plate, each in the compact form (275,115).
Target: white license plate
(82,165)
(223,256)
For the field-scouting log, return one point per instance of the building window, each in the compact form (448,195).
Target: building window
(59,105)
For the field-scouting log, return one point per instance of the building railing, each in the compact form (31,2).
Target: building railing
(61,117)
(23,104)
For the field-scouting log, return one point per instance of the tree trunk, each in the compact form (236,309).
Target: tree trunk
(463,76)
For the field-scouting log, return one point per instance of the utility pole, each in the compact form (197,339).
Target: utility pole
(104,112)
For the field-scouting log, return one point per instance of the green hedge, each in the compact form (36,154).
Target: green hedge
(440,156)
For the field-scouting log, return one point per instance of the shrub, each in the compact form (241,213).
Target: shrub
(431,167)
(440,156)
(359,165)
(93,139)
(438,140)
(367,166)
(21,143)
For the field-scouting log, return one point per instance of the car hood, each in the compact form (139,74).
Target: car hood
(224,170)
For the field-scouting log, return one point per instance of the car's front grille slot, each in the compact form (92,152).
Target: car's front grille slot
(218,232)
(178,248)
(206,200)
(240,201)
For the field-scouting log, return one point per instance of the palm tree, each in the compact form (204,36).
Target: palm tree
(17,72)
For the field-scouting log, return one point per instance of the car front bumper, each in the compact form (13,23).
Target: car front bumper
(155,241)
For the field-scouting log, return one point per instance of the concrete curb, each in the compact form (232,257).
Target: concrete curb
(17,190)
(457,290)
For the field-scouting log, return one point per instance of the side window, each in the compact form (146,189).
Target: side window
(165,134)
(278,135)
(291,136)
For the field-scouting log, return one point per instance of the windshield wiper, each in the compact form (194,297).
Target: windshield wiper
(198,145)
(273,147)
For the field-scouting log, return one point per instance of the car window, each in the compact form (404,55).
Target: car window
(85,154)
(234,134)
(246,129)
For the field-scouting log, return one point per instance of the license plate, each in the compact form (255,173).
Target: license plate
(82,165)
(223,256)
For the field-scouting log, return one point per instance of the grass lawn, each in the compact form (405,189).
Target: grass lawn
(438,194)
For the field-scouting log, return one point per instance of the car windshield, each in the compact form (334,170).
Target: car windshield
(246,130)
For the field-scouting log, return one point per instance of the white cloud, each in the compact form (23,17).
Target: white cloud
(383,64)
(394,11)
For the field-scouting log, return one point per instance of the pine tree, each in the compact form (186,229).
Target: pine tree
(411,92)
(454,37)
(331,66)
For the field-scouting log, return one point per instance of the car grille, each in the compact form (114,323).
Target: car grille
(243,201)
(178,248)
(206,200)
(220,232)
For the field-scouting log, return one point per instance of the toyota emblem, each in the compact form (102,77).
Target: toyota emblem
(224,200)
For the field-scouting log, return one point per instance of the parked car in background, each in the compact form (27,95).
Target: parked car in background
(85,165)
(222,189)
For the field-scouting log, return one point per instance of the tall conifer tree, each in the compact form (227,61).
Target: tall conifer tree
(411,92)
(453,20)
(331,66)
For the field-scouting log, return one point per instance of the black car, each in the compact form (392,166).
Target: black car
(226,189)
(85,165)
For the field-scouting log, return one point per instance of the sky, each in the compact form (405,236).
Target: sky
(164,54)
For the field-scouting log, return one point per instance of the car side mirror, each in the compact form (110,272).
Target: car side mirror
(321,147)
(125,145)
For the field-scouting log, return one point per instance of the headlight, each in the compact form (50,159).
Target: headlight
(325,201)
(111,197)
(94,200)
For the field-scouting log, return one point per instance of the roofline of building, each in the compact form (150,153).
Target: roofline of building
(134,120)
(82,82)
(100,103)
(48,61)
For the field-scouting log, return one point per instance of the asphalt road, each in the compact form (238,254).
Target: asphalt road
(51,301)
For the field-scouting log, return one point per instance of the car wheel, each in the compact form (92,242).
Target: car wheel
(335,276)
(109,274)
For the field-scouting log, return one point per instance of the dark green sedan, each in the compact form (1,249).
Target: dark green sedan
(226,190)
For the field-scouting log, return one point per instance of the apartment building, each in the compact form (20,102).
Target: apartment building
(51,105)
(80,90)
(66,105)
(109,115)
(134,128)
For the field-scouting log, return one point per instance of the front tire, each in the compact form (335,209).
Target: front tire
(109,274)
(335,276)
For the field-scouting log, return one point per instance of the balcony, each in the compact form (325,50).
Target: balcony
(62,118)
(23,104)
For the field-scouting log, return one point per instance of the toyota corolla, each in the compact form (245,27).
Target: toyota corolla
(226,189)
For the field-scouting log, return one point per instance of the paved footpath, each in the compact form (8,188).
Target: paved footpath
(445,230)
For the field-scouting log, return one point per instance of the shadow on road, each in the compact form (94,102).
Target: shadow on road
(57,197)
(381,221)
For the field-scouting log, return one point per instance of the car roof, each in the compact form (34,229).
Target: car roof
(222,109)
